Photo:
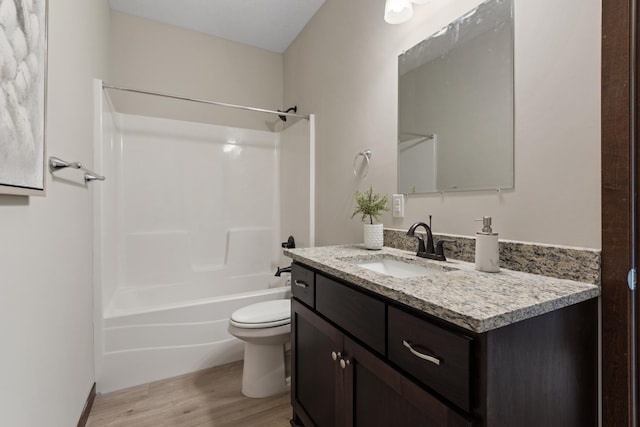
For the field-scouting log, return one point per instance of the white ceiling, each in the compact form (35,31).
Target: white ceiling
(268,24)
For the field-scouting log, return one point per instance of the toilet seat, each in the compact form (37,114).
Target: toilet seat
(267,314)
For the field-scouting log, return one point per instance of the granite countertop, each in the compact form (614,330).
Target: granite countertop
(455,292)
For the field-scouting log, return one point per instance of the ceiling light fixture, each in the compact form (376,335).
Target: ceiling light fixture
(400,11)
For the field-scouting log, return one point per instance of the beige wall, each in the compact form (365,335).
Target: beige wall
(45,256)
(163,58)
(343,67)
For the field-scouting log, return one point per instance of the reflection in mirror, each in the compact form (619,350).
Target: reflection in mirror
(455,105)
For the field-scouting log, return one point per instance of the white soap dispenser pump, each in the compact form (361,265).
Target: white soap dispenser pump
(487,255)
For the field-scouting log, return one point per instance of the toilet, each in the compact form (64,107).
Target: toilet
(265,328)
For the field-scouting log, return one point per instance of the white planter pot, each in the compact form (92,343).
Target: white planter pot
(373,236)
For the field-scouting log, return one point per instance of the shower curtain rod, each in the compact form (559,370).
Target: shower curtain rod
(202,101)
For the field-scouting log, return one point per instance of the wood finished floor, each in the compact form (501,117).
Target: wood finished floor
(209,398)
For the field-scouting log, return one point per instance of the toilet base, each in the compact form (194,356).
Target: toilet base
(264,370)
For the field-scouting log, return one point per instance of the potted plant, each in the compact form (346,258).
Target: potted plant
(370,206)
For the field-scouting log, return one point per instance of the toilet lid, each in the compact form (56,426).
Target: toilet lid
(263,314)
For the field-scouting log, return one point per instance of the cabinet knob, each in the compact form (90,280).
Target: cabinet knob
(344,363)
(335,355)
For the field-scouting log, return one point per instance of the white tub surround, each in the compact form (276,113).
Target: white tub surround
(188,229)
(169,340)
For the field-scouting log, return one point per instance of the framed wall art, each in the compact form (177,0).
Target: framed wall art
(23,87)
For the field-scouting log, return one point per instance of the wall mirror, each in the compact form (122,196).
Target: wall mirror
(455,105)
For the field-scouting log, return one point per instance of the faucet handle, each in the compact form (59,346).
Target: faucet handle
(290,243)
(421,247)
(440,249)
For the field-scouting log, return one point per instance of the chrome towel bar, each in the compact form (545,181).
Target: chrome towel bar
(55,164)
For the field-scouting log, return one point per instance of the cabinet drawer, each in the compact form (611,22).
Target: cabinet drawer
(438,358)
(355,312)
(303,284)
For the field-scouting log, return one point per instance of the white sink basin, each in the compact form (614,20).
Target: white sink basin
(400,269)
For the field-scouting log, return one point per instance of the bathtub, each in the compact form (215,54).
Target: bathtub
(152,333)
(177,242)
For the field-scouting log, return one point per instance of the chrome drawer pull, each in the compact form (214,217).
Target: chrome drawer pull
(301,284)
(422,356)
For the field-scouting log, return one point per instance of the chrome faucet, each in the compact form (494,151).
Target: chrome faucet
(428,251)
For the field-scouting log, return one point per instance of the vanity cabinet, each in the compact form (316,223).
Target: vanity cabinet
(359,359)
(338,382)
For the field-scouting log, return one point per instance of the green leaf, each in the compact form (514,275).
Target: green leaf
(370,205)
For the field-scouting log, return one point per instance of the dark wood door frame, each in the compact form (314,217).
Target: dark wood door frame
(619,19)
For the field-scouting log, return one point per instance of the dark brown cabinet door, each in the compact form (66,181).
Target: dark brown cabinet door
(376,395)
(315,380)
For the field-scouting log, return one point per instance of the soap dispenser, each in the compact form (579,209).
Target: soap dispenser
(487,256)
